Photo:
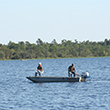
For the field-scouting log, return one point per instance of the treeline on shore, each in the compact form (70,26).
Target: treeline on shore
(65,49)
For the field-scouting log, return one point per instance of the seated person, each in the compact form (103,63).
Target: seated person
(39,70)
(72,70)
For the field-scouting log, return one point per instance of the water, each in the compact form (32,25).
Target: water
(18,93)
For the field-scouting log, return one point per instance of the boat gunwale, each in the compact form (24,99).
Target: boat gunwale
(39,79)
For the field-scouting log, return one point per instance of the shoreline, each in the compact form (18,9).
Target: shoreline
(53,58)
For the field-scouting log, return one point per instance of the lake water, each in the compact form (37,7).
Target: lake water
(19,93)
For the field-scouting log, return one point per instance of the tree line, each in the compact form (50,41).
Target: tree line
(65,49)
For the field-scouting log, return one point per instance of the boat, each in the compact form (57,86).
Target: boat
(42,79)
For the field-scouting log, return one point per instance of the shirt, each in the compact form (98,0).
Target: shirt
(40,68)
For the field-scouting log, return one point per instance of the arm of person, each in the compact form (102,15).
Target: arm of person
(75,72)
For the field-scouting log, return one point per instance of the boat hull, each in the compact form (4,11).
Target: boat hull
(55,79)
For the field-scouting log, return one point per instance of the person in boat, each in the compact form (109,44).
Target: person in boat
(39,70)
(72,70)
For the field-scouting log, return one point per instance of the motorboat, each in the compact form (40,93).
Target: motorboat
(42,79)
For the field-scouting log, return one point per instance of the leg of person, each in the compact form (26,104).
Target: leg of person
(39,73)
(68,74)
(73,73)
(35,74)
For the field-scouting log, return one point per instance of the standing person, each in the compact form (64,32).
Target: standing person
(39,70)
(71,70)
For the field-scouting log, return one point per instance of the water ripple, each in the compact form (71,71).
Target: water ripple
(18,93)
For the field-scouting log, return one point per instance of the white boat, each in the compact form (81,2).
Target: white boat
(43,79)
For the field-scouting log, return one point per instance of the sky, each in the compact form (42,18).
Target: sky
(28,20)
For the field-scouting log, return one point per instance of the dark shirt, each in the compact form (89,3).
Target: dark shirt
(40,68)
(71,68)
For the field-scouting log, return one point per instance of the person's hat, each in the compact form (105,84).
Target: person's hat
(39,63)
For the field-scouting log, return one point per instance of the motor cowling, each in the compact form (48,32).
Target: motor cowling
(85,75)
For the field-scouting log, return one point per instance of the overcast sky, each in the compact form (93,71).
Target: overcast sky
(28,20)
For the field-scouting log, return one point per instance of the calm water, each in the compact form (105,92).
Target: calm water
(18,93)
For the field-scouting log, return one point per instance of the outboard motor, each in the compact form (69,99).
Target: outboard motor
(85,75)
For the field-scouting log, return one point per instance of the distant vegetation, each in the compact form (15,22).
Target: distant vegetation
(65,49)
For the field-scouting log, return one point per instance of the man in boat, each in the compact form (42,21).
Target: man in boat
(72,70)
(39,70)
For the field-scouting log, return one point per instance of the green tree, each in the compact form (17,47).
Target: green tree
(2,56)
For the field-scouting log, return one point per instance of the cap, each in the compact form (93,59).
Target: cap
(39,63)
